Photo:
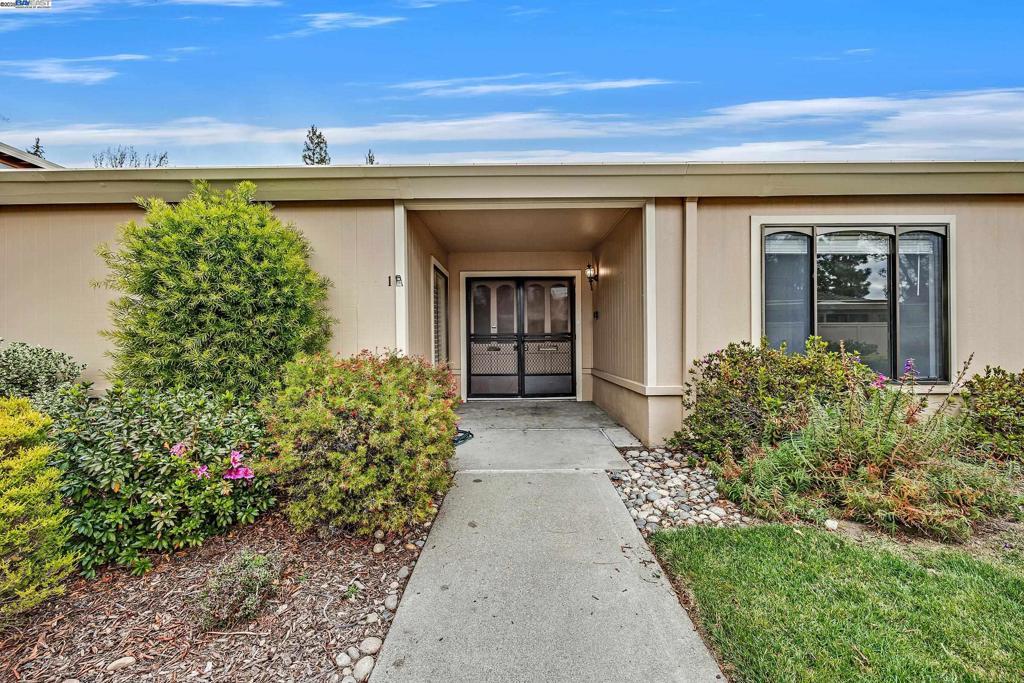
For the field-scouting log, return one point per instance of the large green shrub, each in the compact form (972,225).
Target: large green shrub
(34,560)
(878,458)
(994,407)
(746,395)
(145,470)
(215,292)
(35,372)
(362,442)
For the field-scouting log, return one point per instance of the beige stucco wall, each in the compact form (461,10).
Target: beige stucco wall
(989,281)
(48,260)
(520,262)
(421,246)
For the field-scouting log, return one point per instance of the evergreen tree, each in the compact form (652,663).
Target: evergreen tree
(314,152)
(371,160)
(36,149)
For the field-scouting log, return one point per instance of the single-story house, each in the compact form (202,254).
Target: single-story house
(592,282)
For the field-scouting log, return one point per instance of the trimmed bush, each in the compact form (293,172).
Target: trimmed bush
(238,588)
(994,407)
(746,395)
(35,372)
(34,560)
(362,442)
(215,293)
(145,471)
(875,458)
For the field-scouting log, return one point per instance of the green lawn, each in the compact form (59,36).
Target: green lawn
(813,606)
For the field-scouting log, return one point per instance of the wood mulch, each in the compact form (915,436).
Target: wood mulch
(313,617)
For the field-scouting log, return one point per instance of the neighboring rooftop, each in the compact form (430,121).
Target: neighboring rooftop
(14,158)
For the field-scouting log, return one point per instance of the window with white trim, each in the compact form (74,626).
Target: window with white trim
(440,316)
(881,290)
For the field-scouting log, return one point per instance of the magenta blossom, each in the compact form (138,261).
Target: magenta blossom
(178,449)
(202,472)
(236,458)
(239,473)
(880,381)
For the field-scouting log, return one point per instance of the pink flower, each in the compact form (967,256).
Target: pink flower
(178,449)
(880,381)
(239,473)
(236,458)
(202,472)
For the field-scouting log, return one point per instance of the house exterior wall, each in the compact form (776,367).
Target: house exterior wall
(988,286)
(524,262)
(422,245)
(48,262)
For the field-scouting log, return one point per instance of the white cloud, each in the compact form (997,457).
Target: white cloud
(511,84)
(228,3)
(985,124)
(332,21)
(428,4)
(80,70)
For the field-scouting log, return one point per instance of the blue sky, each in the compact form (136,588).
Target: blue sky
(228,82)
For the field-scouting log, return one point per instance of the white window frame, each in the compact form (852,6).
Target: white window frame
(434,263)
(759,223)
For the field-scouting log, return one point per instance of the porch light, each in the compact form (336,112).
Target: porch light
(591,273)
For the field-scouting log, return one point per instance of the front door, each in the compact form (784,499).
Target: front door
(521,337)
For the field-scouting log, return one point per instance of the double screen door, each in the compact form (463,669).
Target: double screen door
(521,337)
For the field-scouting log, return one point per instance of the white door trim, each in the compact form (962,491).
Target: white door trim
(401,272)
(578,328)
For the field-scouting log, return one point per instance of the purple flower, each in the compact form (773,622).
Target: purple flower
(880,381)
(909,368)
(202,472)
(178,449)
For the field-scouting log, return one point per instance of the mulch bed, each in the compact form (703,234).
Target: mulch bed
(312,618)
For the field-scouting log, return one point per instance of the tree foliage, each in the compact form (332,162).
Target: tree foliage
(314,152)
(37,149)
(215,292)
(125,156)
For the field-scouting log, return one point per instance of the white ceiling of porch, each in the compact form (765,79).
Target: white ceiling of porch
(545,229)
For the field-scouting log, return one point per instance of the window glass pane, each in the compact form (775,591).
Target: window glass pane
(506,309)
(922,307)
(440,317)
(853,295)
(481,309)
(787,290)
(559,308)
(535,309)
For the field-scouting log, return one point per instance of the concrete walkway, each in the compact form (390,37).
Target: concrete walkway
(534,571)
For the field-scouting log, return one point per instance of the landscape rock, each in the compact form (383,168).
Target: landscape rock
(831,525)
(121,663)
(371,645)
(363,668)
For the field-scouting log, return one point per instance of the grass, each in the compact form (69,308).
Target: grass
(785,605)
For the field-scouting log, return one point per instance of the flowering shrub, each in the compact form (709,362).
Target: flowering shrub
(33,558)
(362,442)
(237,589)
(150,471)
(994,407)
(34,372)
(746,395)
(877,457)
(214,292)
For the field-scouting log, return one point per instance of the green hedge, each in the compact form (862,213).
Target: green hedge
(34,560)
(145,470)
(362,442)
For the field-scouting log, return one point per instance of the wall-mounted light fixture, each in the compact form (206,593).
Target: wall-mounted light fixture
(591,273)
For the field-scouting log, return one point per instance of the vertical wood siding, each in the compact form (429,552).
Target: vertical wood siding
(619,300)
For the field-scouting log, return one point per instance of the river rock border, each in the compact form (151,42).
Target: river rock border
(661,491)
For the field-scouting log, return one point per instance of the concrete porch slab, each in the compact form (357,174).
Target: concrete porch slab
(538,449)
(533,414)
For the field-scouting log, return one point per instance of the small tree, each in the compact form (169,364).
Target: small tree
(215,292)
(37,149)
(371,160)
(314,152)
(127,157)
